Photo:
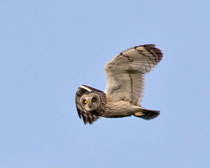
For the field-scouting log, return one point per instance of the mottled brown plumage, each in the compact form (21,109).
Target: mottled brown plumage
(125,85)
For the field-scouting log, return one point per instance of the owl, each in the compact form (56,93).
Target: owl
(124,88)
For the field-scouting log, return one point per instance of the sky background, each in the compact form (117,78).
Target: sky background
(48,48)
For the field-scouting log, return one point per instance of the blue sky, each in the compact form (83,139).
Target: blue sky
(49,48)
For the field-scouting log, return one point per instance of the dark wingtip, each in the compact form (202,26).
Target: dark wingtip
(85,118)
(149,46)
(89,118)
(79,113)
(154,51)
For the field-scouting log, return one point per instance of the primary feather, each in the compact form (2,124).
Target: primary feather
(125,73)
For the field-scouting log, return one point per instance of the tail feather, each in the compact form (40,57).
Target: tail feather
(147,114)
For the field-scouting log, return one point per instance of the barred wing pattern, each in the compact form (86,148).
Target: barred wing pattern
(125,73)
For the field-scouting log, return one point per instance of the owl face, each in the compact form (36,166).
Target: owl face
(90,102)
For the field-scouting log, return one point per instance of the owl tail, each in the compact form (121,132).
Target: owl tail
(147,114)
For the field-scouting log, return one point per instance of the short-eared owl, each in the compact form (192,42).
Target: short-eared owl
(124,89)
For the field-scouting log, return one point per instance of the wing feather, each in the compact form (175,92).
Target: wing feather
(125,73)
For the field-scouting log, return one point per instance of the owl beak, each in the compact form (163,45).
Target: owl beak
(89,106)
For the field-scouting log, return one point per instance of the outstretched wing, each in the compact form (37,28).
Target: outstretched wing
(125,73)
(86,116)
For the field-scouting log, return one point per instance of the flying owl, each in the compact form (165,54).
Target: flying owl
(124,89)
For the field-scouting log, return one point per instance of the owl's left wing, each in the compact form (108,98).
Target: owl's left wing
(125,73)
(86,116)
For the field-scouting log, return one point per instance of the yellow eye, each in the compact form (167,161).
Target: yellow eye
(94,100)
(85,101)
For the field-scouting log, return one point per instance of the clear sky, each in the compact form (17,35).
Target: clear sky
(48,48)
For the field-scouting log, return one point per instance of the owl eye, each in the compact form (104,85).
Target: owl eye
(85,101)
(94,100)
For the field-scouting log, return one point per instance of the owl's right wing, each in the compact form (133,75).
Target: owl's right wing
(125,73)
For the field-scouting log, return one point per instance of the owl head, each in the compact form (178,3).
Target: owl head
(90,102)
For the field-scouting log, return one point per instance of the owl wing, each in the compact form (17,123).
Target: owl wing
(86,116)
(125,73)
